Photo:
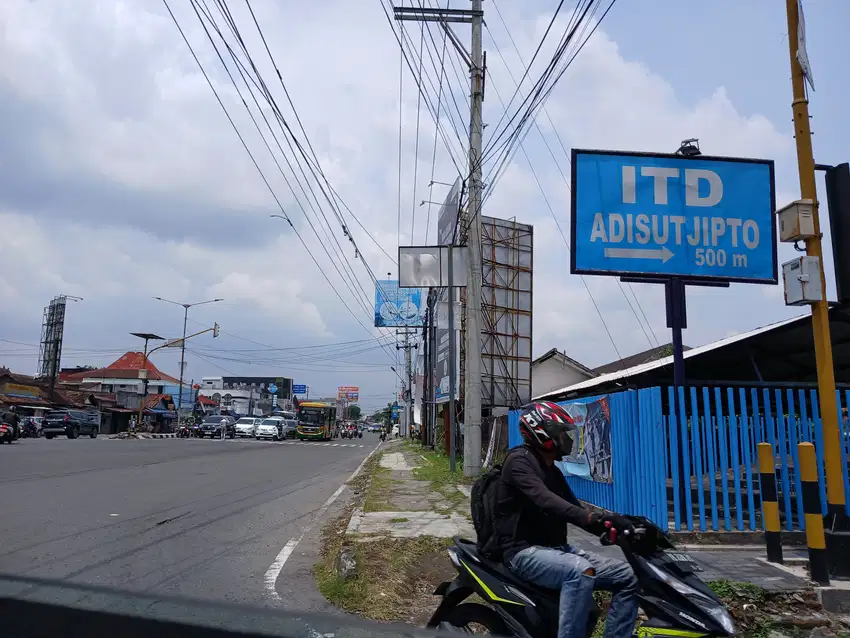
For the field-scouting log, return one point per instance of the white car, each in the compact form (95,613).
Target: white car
(247,426)
(269,429)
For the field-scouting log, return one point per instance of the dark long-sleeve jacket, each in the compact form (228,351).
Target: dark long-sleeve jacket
(534,504)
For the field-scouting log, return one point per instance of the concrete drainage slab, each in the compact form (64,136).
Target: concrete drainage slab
(410,524)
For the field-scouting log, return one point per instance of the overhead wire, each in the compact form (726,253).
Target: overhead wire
(314,164)
(434,153)
(256,164)
(566,182)
(343,269)
(258,82)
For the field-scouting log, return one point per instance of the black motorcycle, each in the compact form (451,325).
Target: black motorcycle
(30,430)
(672,596)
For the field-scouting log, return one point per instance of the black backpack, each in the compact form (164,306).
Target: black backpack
(482,498)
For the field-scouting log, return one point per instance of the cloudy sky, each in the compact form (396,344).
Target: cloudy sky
(123,180)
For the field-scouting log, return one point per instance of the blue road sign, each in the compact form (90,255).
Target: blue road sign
(272,388)
(668,215)
(299,388)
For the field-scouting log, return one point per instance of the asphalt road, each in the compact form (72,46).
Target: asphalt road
(198,518)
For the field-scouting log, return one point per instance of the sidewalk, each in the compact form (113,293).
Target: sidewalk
(404,503)
(383,558)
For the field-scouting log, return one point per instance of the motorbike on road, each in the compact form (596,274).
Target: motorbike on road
(7,433)
(674,599)
(30,430)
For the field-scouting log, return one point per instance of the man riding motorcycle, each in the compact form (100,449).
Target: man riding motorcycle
(534,504)
(13,420)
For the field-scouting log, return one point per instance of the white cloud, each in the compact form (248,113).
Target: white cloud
(117,103)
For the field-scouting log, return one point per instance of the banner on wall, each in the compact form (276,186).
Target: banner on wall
(591,457)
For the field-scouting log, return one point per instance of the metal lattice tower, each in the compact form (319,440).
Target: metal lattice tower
(52,329)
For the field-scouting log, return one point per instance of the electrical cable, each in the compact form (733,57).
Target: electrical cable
(254,161)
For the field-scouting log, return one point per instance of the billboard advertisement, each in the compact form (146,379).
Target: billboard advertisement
(591,457)
(397,307)
(348,393)
(447,234)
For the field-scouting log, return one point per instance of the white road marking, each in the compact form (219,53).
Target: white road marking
(273,572)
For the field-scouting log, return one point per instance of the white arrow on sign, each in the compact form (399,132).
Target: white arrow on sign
(662,254)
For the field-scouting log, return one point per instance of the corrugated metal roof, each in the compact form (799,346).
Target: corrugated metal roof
(660,363)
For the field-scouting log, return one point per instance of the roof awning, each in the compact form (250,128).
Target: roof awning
(21,399)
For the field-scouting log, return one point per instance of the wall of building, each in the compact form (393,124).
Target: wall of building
(552,374)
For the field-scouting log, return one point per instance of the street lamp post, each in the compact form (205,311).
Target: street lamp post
(147,336)
(186,307)
(143,371)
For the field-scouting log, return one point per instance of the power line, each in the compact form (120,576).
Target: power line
(254,162)
(566,181)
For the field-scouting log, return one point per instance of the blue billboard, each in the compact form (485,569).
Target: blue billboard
(299,388)
(397,307)
(651,214)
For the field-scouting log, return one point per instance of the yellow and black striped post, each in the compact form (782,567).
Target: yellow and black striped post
(769,503)
(815,538)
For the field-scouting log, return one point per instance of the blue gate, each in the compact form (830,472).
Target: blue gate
(688,459)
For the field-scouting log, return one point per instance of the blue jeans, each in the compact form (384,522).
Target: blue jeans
(577,573)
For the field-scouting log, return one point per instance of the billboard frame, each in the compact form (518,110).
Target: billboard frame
(507,306)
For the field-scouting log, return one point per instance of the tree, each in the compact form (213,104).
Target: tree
(354,412)
(385,415)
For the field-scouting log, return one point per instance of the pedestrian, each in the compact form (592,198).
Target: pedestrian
(223,428)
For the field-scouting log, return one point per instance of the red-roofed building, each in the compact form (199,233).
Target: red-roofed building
(122,380)
(126,367)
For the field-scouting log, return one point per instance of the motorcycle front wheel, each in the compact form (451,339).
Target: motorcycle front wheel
(473,617)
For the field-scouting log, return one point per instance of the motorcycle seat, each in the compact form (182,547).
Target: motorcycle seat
(502,572)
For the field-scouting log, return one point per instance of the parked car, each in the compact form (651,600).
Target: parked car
(290,428)
(270,428)
(71,423)
(211,426)
(247,426)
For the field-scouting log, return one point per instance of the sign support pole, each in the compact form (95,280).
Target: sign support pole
(677,320)
(835,497)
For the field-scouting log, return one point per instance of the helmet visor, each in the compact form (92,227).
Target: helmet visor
(564,442)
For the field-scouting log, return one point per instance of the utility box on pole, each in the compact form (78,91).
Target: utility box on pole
(801,277)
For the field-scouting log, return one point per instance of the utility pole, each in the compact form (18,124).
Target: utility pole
(472,389)
(408,392)
(475,60)
(832,442)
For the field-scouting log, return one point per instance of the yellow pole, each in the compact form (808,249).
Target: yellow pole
(769,502)
(820,310)
(810,492)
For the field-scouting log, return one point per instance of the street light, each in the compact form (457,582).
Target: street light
(426,201)
(186,307)
(143,371)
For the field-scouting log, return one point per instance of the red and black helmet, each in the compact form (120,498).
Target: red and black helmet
(547,426)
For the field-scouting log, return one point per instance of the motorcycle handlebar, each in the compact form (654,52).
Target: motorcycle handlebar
(611,536)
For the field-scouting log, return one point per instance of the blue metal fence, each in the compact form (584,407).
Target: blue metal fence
(688,459)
